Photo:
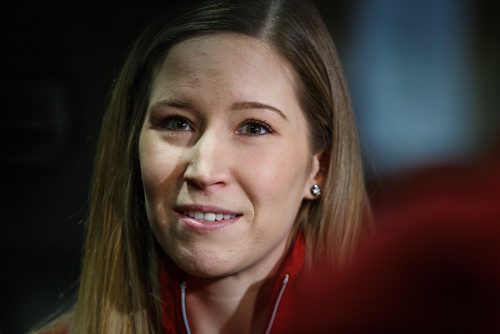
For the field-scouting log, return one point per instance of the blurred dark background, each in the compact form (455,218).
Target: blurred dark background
(425,77)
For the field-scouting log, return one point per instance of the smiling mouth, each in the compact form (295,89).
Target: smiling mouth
(208,216)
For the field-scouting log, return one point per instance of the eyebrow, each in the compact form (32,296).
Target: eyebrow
(235,106)
(258,105)
(170,103)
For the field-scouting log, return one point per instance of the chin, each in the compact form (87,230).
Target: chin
(202,264)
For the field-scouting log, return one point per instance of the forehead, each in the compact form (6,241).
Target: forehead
(245,64)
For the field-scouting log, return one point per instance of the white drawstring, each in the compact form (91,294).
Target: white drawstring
(183,307)
(277,304)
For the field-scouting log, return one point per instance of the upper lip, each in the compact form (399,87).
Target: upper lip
(203,208)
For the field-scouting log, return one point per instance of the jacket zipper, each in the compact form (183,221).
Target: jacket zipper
(273,315)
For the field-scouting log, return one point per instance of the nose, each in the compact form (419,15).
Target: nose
(207,163)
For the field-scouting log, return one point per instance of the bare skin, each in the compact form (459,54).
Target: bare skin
(225,134)
(229,307)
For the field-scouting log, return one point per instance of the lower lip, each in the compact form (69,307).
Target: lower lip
(201,226)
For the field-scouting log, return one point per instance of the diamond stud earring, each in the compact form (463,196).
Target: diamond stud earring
(316,190)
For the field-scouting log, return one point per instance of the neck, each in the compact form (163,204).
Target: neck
(228,305)
(237,303)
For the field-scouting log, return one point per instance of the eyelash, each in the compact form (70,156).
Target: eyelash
(164,123)
(266,126)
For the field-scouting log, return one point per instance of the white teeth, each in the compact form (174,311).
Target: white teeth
(208,216)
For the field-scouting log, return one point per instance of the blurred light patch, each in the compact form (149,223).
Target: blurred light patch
(409,66)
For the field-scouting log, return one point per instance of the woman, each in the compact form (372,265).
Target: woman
(228,161)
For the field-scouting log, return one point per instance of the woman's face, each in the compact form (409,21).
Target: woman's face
(224,155)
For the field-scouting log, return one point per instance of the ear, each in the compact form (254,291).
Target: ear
(319,168)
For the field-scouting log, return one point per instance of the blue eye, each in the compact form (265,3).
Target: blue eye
(176,123)
(255,128)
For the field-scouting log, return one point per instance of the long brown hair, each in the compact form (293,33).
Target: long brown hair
(119,290)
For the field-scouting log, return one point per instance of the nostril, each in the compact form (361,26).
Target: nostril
(195,183)
(203,184)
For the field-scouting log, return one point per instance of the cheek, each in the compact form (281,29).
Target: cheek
(158,167)
(278,177)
